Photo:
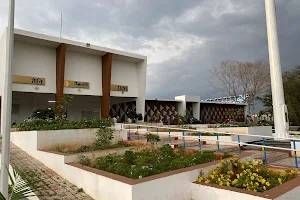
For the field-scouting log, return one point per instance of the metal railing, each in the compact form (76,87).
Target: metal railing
(239,142)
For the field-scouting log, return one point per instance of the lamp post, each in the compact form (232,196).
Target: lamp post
(7,101)
(279,107)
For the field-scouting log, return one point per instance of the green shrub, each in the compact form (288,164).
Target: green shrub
(150,162)
(60,124)
(43,113)
(84,160)
(152,138)
(103,138)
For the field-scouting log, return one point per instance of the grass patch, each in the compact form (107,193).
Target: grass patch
(149,162)
(252,176)
(70,149)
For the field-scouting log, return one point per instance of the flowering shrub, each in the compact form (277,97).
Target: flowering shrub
(252,176)
(35,124)
(150,162)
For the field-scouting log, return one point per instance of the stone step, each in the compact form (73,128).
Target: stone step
(274,157)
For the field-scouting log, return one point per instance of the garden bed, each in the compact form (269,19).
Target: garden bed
(149,162)
(251,179)
(79,148)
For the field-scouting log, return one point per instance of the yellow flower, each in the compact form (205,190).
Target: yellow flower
(257,170)
(238,176)
(243,166)
(200,179)
(207,181)
(228,184)
(263,181)
(254,190)
(280,180)
(212,176)
(234,181)
(214,172)
(264,188)
(252,177)
(219,179)
(267,184)
(220,183)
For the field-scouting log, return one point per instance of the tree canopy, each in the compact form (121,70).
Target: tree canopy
(240,78)
(291,86)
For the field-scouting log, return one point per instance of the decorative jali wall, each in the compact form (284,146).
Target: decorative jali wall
(160,110)
(211,113)
(189,108)
(120,110)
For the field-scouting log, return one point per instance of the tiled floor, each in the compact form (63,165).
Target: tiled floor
(54,186)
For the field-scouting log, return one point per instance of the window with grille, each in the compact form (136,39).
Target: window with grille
(15,109)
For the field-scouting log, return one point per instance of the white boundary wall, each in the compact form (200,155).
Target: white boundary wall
(200,192)
(44,139)
(173,187)
(243,131)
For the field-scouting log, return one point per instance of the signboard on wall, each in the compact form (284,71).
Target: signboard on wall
(77,84)
(28,80)
(121,88)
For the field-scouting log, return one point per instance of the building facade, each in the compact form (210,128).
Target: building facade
(45,68)
(103,82)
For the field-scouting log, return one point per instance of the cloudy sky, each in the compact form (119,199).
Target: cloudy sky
(182,39)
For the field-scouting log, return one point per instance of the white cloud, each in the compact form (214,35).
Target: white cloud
(190,15)
(169,45)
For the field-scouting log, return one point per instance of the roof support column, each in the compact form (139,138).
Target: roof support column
(60,72)
(106,81)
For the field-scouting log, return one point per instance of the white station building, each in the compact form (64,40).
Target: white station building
(103,82)
(45,68)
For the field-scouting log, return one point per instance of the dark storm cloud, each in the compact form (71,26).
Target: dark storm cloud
(182,39)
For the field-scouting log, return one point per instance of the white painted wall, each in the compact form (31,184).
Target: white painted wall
(34,60)
(175,187)
(124,73)
(212,139)
(84,67)
(196,110)
(98,187)
(141,87)
(201,192)
(55,137)
(181,106)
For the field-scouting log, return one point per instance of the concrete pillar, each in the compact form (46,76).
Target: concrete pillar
(196,110)
(60,72)
(279,107)
(106,81)
(141,80)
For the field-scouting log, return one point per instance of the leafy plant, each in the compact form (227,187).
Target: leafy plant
(103,137)
(60,124)
(43,113)
(62,105)
(150,161)
(84,160)
(152,138)
(23,184)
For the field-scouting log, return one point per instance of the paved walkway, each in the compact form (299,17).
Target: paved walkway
(55,187)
